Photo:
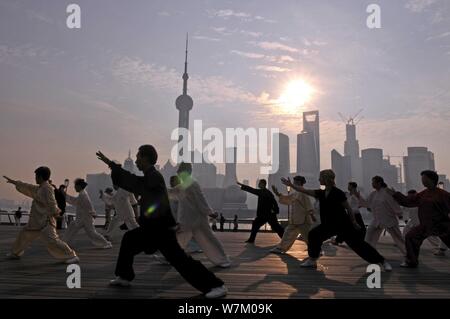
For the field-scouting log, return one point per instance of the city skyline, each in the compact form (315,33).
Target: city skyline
(113,91)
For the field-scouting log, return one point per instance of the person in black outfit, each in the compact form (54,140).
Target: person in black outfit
(60,196)
(337,218)
(222,222)
(157,227)
(266,211)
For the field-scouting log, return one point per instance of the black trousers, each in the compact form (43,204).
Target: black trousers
(415,237)
(260,221)
(145,240)
(361,224)
(349,234)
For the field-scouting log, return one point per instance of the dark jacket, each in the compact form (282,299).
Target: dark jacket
(266,201)
(154,202)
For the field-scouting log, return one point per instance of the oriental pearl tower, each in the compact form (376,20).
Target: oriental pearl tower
(184,102)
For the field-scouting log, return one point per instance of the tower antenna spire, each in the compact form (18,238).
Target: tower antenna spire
(185,75)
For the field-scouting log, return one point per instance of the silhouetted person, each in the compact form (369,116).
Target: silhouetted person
(300,218)
(355,203)
(60,196)
(108,207)
(266,212)
(235,223)
(439,247)
(18,216)
(156,231)
(337,218)
(84,218)
(385,212)
(193,214)
(434,208)
(222,222)
(41,223)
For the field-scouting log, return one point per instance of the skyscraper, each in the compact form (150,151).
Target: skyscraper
(282,156)
(184,104)
(417,160)
(308,148)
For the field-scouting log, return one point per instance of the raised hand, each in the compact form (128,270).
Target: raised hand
(286,181)
(103,158)
(240,184)
(9,180)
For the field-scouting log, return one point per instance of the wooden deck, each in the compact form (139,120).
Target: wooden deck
(255,273)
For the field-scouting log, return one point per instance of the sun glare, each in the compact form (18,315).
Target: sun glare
(295,95)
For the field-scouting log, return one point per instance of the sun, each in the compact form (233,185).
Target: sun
(295,95)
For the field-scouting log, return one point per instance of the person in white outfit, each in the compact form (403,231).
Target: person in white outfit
(193,213)
(439,248)
(123,203)
(385,212)
(84,218)
(42,220)
(300,218)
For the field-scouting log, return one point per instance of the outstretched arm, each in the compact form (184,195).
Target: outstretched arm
(123,178)
(301,189)
(248,189)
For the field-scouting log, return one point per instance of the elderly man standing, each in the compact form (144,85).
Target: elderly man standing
(42,222)
(299,220)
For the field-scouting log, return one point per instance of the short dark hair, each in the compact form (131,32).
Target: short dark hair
(353,184)
(379,179)
(263,181)
(185,167)
(43,172)
(431,175)
(412,191)
(300,179)
(81,182)
(149,152)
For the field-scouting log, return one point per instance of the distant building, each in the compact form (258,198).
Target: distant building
(308,149)
(283,161)
(417,160)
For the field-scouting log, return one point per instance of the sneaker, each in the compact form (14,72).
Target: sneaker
(217,292)
(386,266)
(277,250)
(309,263)
(12,256)
(107,246)
(406,264)
(73,260)
(120,282)
(225,265)
(334,242)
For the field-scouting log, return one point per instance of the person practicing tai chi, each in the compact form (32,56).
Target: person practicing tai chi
(336,218)
(385,212)
(439,248)
(193,214)
(157,227)
(300,218)
(355,203)
(42,219)
(84,218)
(433,208)
(266,211)
(123,203)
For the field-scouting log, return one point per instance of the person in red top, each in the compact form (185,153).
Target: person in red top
(433,208)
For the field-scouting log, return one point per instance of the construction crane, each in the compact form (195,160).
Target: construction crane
(352,120)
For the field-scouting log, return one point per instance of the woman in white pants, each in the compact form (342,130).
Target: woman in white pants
(193,213)
(84,218)
(385,212)
(439,248)
(123,203)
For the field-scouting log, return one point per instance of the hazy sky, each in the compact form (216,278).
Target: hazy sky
(112,84)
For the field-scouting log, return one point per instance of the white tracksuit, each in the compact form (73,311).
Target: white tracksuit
(84,220)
